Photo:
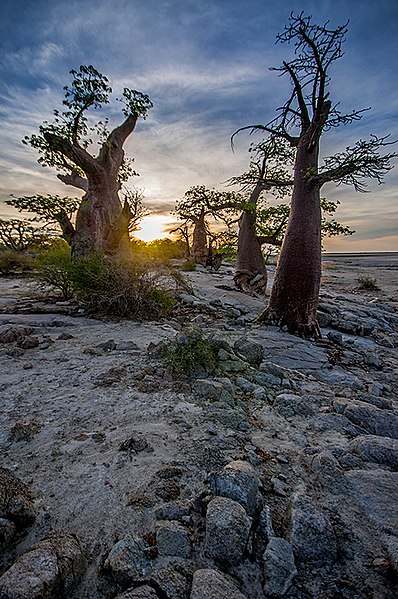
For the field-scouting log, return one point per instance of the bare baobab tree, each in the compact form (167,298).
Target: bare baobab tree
(305,116)
(101,222)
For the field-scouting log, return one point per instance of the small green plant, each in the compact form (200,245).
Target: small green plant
(188,266)
(191,354)
(367,284)
(55,269)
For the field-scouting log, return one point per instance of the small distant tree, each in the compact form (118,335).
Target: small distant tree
(101,222)
(307,113)
(199,203)
(17,234)
(50,210)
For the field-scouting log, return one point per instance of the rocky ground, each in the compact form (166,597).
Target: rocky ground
(273,476)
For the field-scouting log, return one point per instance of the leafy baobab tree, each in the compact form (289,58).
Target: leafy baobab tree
(267,171)
(198,203)
(307,113)
(102,221)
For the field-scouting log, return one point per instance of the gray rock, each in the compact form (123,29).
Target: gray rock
(372,419)
(144,592)
(16,499)
(173,539)
(250,351)
(127,346)
(28,342)
(129,559)
(8,531)
(227,530)
(49,569)
(244,384)
(220,389)
(211,584)
(175,510)
(311,534)
(381,450)
(289,405)
(376,491)
(238,481)
(235,365)
(170,583)
(323,319)
(260,394)
(335,337)
(11,333)
(264,531)
(279,567)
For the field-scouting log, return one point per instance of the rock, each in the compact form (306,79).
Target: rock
(143,592)
(323,319)
(25,430)
(136,444)
(210,584)
(381,450)
(279,567)
(238,481)
(227,530)
(376,491)
(10,334)
(289,405)
(16,499)
(311,534)
(244,384)
(109,345)
(235,365)
(28,342)
(8,531)
(335,337)
(372,419)
(264,531)
(250,351)
(15,352)
(173,539)
(220,389)
(175,510)
(65,336)
(170,583)
(127,346)
(129,559)
(49,569)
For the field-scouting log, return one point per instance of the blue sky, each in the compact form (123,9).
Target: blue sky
(206,67)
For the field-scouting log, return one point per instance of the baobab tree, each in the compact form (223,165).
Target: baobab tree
(197,204)
(267,171)
(102,221)
(305,116)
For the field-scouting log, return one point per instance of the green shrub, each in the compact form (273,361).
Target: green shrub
(15,262)
(55,269)
(367,283)
(191,354)
(113,287)
(188,266)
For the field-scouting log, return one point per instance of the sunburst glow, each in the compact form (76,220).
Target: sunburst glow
(152,227)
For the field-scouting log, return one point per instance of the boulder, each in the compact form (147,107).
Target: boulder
(48,570)
(16,499)
(144,592)
(250,351)
(211,584)
(227,530)
(173,539)
(311,533)
(279,567)
(238,481)
(129,559)
(374,420)
(380,450)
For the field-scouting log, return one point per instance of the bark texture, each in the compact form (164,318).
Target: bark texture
(199,240)
(294,296)
(251,273)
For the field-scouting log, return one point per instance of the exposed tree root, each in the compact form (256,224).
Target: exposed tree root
(308,330)
(251,283)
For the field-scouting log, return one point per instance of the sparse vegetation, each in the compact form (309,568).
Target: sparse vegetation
(188,266)
(111,287)
(367,284)
(192,354)
(14,262)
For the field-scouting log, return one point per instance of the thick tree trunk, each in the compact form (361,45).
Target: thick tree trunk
(251,273)
(294,296)
(100,222)
(199,240)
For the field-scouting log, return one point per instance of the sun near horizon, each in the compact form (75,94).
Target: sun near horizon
(153,227)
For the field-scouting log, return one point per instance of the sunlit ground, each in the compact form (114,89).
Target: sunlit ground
(153,227)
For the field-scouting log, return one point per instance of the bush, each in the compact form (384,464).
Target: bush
(55,268)
(15,262)
(191,354)
(113,287)
(188,266)
(368,283)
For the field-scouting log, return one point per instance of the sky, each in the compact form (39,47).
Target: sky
(206,66)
